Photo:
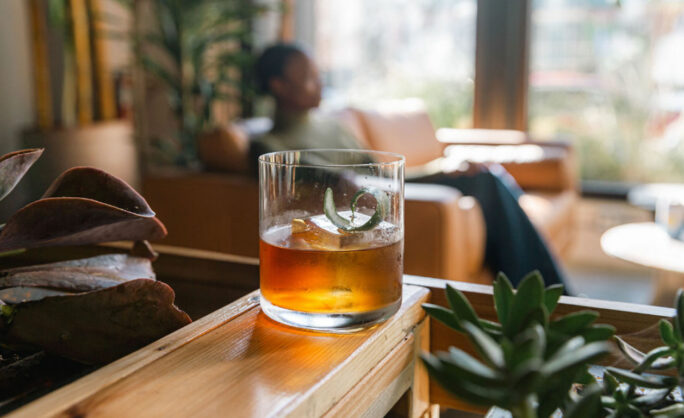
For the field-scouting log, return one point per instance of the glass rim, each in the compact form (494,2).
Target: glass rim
(398,158)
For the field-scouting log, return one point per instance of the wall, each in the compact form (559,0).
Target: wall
(16,94)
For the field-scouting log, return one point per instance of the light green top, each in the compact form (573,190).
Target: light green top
(306,131)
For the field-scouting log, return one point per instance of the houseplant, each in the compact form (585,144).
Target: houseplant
(199,53)
(529,362)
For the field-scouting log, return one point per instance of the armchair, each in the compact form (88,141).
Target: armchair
(444,230)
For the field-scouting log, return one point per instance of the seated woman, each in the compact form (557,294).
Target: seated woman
(513,245)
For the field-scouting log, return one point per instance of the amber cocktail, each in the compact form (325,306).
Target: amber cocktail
(331,249)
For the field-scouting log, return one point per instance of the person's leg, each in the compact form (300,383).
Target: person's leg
(513,244)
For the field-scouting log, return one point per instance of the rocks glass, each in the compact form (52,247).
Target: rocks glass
(331,227)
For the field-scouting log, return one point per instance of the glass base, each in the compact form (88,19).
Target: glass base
(333,323)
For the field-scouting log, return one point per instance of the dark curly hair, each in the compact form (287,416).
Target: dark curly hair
(271,63)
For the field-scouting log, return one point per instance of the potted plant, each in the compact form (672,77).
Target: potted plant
(197,54)
(533,363)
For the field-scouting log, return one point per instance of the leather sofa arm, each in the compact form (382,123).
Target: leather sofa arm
(444,230)
(444,233)
(535,165)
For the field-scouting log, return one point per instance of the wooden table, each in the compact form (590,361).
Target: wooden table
(236,362)
(646,195)
(649,245)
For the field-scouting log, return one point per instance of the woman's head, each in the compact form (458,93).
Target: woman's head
(288,74)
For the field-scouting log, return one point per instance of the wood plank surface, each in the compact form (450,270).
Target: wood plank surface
(638,324)
(380,389)
(228,365)
(203,281)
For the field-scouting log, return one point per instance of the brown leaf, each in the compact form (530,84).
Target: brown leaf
(81,275)
(100,326)
(95,184)
(13,166)
(59,221)
(144,249)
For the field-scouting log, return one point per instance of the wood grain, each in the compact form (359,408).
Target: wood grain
(380,389)
(244,365)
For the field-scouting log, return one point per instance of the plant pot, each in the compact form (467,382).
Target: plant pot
(108,146)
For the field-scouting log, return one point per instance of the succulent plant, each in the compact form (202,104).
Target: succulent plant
(630,393)
(90,310)
(528,360)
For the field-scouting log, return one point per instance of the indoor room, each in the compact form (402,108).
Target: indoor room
(341,208)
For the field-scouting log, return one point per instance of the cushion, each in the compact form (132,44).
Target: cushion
(403,127)
(224,149)
(553,214)
(533,166)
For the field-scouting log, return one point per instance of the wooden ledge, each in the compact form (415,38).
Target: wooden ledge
(237,362)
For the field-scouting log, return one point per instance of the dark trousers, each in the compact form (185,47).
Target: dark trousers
(514,245)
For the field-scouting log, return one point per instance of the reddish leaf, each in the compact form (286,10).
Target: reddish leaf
(95,184)
(13,166)
(83,206)
(61,221)
(99,326)
(74,276)
(144,249)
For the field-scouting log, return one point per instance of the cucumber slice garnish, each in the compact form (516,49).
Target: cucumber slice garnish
(381,209)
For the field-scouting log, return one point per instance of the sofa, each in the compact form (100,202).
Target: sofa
(444,230)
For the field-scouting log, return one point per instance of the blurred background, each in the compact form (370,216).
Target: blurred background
(132,84)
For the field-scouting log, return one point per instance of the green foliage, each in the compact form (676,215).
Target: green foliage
(621,394)
(527,361)
(200,51)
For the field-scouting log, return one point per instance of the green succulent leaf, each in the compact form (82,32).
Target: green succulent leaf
(667,333)
(463,365)
(443,315)
(574,322)
(631,353)
(679,305)
(527,298)
(569,346)
(492,328)
(460,306)
(538,315)
(579,357)
(651,398)
(529,345)
(656,355)
(588,405)
(610,383)
(488,348)
(503,298)
(598,332)
(552,295)
(463,389)
(651,382)
(672,411)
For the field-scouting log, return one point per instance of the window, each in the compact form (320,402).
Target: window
(370,51)
(609,75)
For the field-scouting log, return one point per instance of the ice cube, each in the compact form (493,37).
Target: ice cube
(319,233)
